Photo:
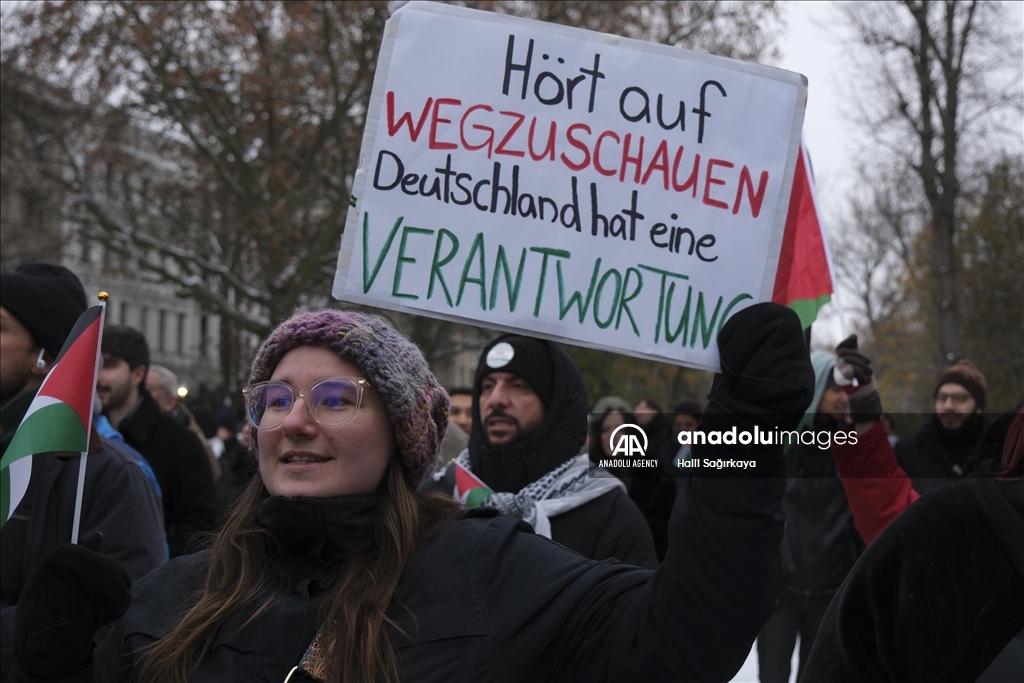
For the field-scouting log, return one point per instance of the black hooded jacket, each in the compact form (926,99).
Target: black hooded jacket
(558,438)
(609,526)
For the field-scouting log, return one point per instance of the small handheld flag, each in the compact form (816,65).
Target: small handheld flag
(469,489)
(59,417)
(805,280)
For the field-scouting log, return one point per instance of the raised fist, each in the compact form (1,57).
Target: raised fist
(853,372)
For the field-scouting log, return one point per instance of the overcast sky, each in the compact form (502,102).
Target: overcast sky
(807,48)
(811,47)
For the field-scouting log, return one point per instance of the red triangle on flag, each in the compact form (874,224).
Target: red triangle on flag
(804,272)
(73,377)
(466,480)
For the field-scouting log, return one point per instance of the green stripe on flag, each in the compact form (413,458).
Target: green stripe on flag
(807,309)
(56,427)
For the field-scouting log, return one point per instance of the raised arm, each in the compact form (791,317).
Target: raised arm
(877,488)
(697,615)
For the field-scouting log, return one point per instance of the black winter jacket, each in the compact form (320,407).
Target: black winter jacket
(118,500)
(607,527)
(182,468)
(820,544)
(489,600)
(932,457)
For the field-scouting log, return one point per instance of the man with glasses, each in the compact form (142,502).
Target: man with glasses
(943,450)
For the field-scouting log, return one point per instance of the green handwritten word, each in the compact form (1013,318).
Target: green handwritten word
(701,324)
(478,281)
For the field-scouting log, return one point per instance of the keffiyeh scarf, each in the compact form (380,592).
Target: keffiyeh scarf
(567,487)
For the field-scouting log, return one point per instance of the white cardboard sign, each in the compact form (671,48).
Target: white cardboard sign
(601,191)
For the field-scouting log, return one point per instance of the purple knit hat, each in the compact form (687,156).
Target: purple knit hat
(416,402)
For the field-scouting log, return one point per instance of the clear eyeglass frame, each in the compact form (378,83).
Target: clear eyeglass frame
(251,394)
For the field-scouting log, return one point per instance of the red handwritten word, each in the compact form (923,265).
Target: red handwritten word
(629,157)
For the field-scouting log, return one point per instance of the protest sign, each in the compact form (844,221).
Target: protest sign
(588,188)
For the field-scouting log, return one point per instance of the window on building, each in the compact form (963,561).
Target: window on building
(144,320)
(204,336)
(162,332)
(180,345)
(124,313)
(87,243)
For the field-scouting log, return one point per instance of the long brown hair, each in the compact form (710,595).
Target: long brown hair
(243,563)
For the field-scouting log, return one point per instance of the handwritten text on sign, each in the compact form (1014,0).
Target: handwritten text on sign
(530,177)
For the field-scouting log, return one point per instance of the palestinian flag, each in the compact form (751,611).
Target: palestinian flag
(60,416)
(805,279)
(469,489)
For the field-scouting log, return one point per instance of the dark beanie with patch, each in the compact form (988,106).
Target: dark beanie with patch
(524,356)
(47,299)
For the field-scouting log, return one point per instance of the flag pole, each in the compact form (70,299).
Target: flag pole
(79,493)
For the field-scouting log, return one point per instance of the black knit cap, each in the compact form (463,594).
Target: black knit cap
(47,299)
(523,356)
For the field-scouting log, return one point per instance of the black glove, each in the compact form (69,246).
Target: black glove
(767,379)
(851,364)
(72,593)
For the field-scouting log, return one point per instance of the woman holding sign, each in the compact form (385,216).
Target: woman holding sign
(333,567)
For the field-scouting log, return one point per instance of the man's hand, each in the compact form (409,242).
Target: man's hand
(855,368)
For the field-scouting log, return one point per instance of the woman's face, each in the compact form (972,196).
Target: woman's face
(305,458)
(608,425)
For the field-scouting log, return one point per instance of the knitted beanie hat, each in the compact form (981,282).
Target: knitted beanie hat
(47,299)
(966,374)
(524,356)
(414,399)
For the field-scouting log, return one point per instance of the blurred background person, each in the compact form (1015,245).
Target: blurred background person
(657,425)
(652,492)
(820,544)
(457,437)
(176,455)
(942,450)
(162,385)
(238,467)
(462,408)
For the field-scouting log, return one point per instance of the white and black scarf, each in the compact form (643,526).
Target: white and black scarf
(567,487)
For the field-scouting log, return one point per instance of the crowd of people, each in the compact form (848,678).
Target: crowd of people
(328,541)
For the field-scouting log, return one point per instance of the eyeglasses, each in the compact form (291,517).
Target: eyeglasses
(331,402)
(958,398)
